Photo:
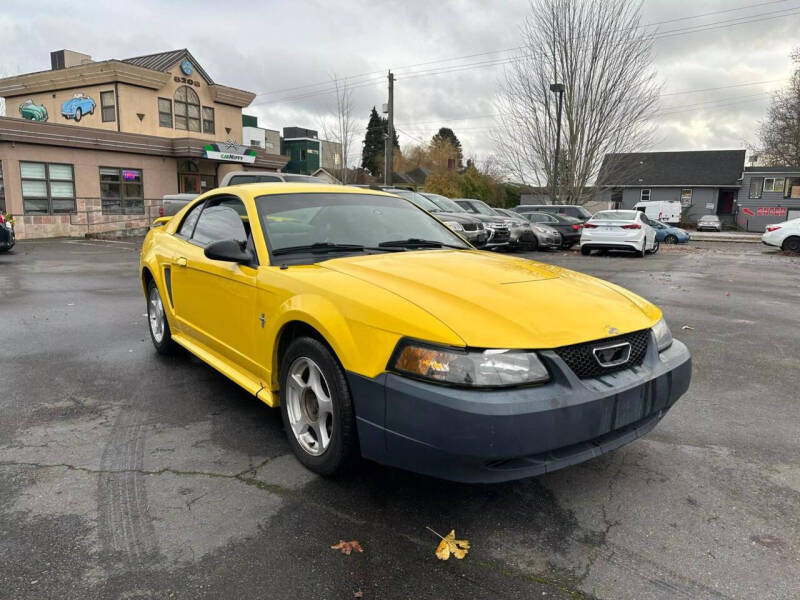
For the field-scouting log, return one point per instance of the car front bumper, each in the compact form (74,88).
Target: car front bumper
(482,436)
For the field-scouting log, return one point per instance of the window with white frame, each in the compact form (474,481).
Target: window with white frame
(644,196)
(47,188)
(773,184)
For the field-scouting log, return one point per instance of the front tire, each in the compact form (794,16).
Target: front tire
(160,332)
(78,115)
(671,239)
(792,244)
(317,409)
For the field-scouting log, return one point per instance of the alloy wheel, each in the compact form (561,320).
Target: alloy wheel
(309,406)
(156,315)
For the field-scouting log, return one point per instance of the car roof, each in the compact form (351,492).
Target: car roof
(270,188)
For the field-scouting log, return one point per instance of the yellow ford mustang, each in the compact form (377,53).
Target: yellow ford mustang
(381,333)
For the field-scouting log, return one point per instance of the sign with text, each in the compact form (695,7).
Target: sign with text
(771,211)
(230,152)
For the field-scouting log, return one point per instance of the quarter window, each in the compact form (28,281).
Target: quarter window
(187,109)
(108,106)
(164,112)
(187,227)
(756,187)
(121,191)
(208,119)
(644,196)
(47,188)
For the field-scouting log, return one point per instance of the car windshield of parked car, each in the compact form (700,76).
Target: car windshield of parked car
(538,217)
(615,215)
(446,204)
(575,211)
(477,206)
(711,218)
(418,199)
(360,220)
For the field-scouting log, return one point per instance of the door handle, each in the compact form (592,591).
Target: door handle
(181,262)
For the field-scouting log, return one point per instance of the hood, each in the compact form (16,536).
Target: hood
(496,301)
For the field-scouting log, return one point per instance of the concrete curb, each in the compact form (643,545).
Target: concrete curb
(712,236)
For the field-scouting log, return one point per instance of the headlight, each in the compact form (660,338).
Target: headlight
(476,368)
(663,335)
(454,226)
(541,230)
(479,226)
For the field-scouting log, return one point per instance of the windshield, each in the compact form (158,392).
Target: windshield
(481,207)
(538,217)
(418,199)
(302,179)
(615,215)
(709,218)
(298,220)
(445,203)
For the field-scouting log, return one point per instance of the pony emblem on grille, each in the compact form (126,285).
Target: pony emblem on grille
(612,356)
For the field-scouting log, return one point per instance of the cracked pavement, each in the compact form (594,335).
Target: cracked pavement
(124,474)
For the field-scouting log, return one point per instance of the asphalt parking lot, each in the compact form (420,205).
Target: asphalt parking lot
(124,474)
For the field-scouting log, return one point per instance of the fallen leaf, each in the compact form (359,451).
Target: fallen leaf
(450,545)
(688,327)
(348,547)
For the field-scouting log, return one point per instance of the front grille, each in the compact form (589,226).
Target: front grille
(581,360)
(500,234)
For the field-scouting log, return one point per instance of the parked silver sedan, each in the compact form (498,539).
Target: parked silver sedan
(534,236)
(709,223)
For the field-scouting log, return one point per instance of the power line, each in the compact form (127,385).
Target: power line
(505,50)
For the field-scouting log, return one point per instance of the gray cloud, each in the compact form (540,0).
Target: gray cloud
(268,46)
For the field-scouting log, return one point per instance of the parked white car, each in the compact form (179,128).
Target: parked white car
(619,230)
(665,211)
(784,235)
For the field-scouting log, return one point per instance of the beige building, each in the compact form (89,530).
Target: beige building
(90,147)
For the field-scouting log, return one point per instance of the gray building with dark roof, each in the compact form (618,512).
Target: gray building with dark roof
(704,182)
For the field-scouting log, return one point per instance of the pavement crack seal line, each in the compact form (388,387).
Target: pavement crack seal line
(246,479)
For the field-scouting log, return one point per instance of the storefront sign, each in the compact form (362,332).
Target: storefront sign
(771,211)
(130,175)
(230,152)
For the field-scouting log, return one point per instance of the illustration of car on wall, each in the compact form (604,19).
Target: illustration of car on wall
(32,111)
(77,106)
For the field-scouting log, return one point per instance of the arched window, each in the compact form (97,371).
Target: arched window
(187,109)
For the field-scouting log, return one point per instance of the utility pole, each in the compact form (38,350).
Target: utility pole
(389,144)
(559,89)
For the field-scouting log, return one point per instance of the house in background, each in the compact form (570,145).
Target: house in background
(705,182)
(307,152)
(768,195)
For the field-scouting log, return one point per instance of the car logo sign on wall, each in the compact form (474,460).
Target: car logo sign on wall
(186,67)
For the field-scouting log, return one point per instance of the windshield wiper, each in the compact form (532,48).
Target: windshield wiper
(418,243)
(325,247)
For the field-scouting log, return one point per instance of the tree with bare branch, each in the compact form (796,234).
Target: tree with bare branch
(598,50)
(780,131)
(342,127)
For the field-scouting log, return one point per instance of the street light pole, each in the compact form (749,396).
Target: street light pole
(558,88)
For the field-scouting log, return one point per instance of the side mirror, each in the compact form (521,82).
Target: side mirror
(228,250)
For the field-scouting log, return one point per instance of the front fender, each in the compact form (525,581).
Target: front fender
(360,348)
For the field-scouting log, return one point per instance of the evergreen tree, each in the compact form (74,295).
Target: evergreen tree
(445,134)
(372,153)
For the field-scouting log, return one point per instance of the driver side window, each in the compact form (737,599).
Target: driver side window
(223,218)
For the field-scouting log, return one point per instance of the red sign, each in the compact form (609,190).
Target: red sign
(771,211)
(749,212)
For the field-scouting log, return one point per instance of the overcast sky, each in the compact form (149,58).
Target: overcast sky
(269,46)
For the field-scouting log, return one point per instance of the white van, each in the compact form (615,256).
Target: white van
(666,212)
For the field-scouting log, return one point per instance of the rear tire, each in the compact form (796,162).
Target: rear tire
(641,253)
(586,251)
(656,245)
(160,332)
(317,408)
(792,244)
